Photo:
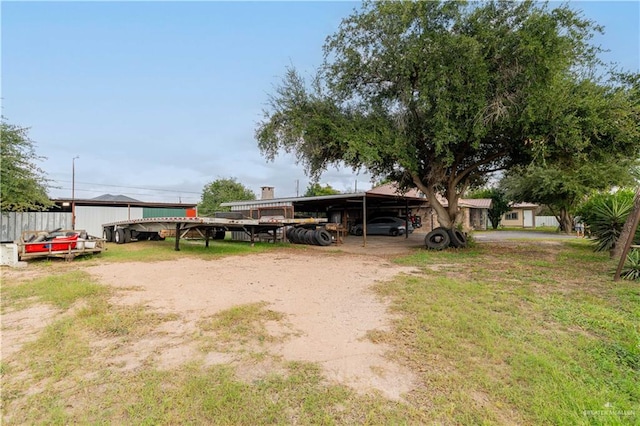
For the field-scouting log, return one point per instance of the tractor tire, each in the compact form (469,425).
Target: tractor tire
(438,239)
(107,234)
(127,236)
(458,239)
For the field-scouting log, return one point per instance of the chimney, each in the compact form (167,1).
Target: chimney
(267,193)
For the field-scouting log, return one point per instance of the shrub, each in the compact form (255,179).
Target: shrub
(605,215)
(631,268)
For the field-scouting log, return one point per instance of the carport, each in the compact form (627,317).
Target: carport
(344,209)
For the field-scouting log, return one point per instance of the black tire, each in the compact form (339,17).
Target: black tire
(107,234)
(127,236)
(458,239)
(118,236)
(219,234)
(323,237)
(358,232)
(300,235)
(291,235)
(438,239)
(394,232)
(309,237)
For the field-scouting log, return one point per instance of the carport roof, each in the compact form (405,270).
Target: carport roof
(382,196)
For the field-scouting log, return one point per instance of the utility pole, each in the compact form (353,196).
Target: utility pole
(297,187)
(73,192)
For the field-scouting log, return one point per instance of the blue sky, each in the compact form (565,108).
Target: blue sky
(159,98)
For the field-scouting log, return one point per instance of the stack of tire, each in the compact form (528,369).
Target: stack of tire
(314,237)
(441,238)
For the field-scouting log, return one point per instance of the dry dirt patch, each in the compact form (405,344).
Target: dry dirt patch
(327,301)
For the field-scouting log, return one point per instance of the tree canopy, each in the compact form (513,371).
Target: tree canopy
(438,95)
(222,191)
(596,153)
(23,184)
(315,189)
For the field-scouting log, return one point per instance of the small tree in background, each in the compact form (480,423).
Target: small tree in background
(499,204)
(222,191)
(315,189)
(562,186)
(23,184)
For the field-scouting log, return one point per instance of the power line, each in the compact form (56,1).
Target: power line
(130,187)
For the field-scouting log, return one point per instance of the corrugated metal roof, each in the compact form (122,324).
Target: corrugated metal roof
(389,190)
(289,201)
(475,203)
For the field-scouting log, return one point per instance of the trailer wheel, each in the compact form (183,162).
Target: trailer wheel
(458,239)
(107,234)
(323,237)
(219,234)
(127,235)
(118,236)
(438,239)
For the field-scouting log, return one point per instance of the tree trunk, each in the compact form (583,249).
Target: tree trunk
(627,232)
(566,221)
(446,216)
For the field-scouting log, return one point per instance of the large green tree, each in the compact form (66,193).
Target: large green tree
(221,191)
(440,94)
(23,184)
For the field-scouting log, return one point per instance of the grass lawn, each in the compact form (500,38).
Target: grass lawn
(521,333)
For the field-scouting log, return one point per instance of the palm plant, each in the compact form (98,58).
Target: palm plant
(605,215)
(631,268)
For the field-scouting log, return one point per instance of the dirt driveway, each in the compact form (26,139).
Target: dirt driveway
(325,298)
(327,302)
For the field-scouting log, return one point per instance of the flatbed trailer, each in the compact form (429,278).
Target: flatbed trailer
(125,231)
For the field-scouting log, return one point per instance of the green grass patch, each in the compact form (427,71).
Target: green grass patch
(61,290)
(60,349)
(524,334)
(240,325)
(153,251)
